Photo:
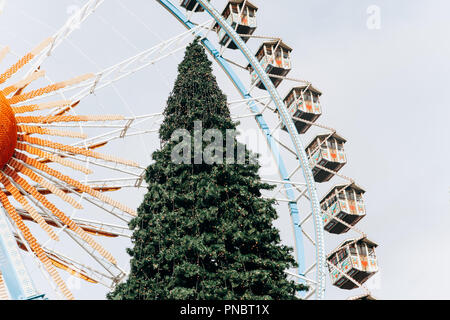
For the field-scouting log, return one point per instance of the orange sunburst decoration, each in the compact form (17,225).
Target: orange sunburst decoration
(24,157)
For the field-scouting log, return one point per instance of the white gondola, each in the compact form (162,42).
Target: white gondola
(303,103)
(344,202)
(326,151)
(355,260)
(275,58)
(191,5)
(241,15)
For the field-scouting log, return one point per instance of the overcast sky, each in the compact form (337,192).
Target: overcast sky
(383,67)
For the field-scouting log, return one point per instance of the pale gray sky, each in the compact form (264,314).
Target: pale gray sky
(385,90)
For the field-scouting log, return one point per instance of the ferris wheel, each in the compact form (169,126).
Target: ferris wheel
(62,165)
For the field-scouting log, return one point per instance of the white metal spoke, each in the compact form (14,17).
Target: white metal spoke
(73,264)
(128,129)
(98,162)
(296,275)
(134,64)
(127,67)
(71,24)
(309,237)
(310,294)
(102,205)
(283,182)
(335,173)
(285,146)
(98,227)
(111,268)
(311,268)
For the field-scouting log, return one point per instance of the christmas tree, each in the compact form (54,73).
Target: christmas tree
(203,230)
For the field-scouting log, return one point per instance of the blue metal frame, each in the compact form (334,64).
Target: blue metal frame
(15,275)
(293,208)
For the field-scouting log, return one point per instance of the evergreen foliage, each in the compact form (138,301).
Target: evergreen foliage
(204,231)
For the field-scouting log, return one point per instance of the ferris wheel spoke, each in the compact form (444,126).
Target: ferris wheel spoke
(16,189)
(128,129)
(245,106)
(350,180)
(306,219)
(42,143)
(78,269)
(276,128)
(263,101)
(285,146)
(104,229)
(265,106)
(136,63)
(103,164)
(295,275)
(302,193)
(63,33)
(282,182)
(237,117)
(43,153)
(283,186)
(311,268)
(23,83)
(35,259)
(310,294)
(115,183)
(123,69)
(73,185)
(48,155)
(311,284)
(105,185)
(105,262)
(286,200)
(96,202)
(309,237)
(232,62)
(48,90)
(114,270)
(70,265)
(297,168)
(315,124)
(64,222)
(36,248)
(93,227)
(101,205)
(246,101)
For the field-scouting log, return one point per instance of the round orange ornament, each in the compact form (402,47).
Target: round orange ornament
(8,131)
